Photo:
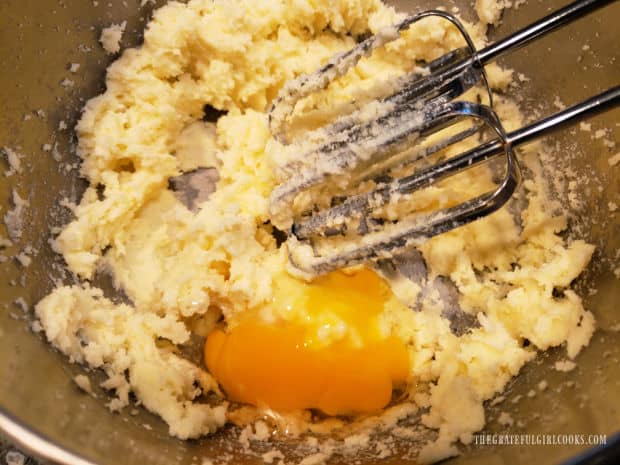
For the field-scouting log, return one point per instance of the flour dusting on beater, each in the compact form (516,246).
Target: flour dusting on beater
(338,185)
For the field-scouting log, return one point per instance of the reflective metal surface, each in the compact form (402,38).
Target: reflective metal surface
(40,405)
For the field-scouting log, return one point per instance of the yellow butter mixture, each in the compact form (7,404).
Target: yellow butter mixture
(348,343)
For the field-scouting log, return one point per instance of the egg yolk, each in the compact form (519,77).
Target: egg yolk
(322,349)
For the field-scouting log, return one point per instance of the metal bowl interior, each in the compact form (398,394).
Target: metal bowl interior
(40,405)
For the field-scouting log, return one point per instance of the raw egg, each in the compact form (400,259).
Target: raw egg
(316,345)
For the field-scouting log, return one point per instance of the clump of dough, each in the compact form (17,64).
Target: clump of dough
(83,324)
(489,11)
(111,37)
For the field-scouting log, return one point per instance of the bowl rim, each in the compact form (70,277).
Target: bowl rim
(32,441)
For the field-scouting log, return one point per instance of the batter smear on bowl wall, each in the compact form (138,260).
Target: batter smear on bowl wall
(355,343)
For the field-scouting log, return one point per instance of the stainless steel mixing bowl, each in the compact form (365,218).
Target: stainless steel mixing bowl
(40,406)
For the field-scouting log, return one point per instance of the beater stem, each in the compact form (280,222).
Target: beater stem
(540,28)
